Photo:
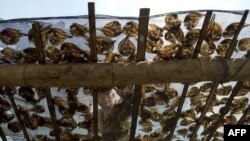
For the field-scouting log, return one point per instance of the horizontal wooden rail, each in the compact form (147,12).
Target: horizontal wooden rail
(108,75)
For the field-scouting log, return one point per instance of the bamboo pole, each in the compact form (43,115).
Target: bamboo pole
(93,51)
(141,48)
(186,85)
(109,75)
(2,134)
(216,84)
(41,59)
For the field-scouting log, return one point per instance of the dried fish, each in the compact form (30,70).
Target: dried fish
(153,46)
(144,113)
(104,44)
(10,36)
(14,127)
(206,87)
(191,37)
(44,34)
(207,49)
(155,32)
(169,52)
(54,54)
(148,101)
(112,29)
(223,47)
(244,44)
(126,47)
(30,55)
(156,116)
(175,101)
(38,109)
(11,54)
(193,91)
(186,121)
(57,36)
(6,116)
(114,58)
(223,91)
(231,29)
(27,93)
(173,22)
(230,120)
(72,53)
(242,92)
(214,31)
(33,121)
(67,122)
(59,101)
(78,30)
(4,105)
(131,29)
(146,125)
(183,132)
(192,19)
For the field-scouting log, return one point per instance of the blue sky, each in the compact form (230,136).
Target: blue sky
(10,9)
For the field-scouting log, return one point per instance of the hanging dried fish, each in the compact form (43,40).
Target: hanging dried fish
(231,29)
(40,138)
(242,92)
(175,102)
(186,52)
(223,47)
(156,116)
(186,121)
(114,58)
(173,22)
(146,125)
(54,54)
(66,112)
(214,31)
(87,124)
(38,109)
(82,108)
(14,127)
(30,55)
(59,101)
(148,101)
(207,49)
(191,37)
(6,116)
(183,132)
(192,128)
(33,121)
(223,100)
(192,19)
(41,93)
(112,29)
(144,113)
(223,91)
(126,47)
(153,46)
(12,54)
(193,91)
(10,36)
(244,44)
(44,34)
(131,29)
(4,104)
(169,113)
(240,103)
(206,87)
(27,93)
(169,52)
(67,122)
(72,53)
(230,120)
(104,44)
(190,113)
(57,36)
(73,102)
(155,32)
(78,30)
(24,111)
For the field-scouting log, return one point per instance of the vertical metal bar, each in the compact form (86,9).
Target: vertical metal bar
(93,51)
(41,58)
(216,84)
(13,103)
(2,134)
(141,48)
(186,85)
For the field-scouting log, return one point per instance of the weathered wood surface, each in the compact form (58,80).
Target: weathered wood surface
(108,75)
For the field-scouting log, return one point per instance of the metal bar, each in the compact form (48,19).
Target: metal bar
(186,85)
(13,103)
(2,134)
(93,51)
(211,96)
(226,109)
(244,116)
(41,59)
(141,48)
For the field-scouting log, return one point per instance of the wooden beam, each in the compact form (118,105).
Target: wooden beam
(2,134)
(141,48)
(41,59)
(211,96)
(19,118)
(93,51)
(109,75)
(186,85)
